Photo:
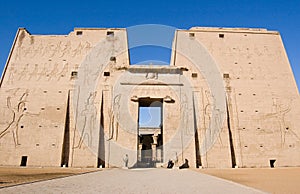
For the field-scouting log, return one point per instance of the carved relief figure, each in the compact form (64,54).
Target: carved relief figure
(26,50)
(18,112)
(63,72)
(207,133)
(42,73)
(13,92)
(65,49)
(278,119)
(34,72)
(86,48)
(114,118)
(207,110)
(217,125)
(53,72)
(77,50)
(46,49)
(280,113)
(89,113)
(185,116)
(23,73)
(53,49)
(12,72)
(38,50)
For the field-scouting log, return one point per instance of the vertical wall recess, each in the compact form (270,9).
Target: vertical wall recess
(101,146)
(232,152)
(197,147)
(66,141)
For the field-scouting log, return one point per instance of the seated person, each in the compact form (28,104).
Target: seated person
(170,164)
(185,165)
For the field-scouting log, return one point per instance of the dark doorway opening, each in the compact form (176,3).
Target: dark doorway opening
(272,163)
(146,151)
(23,161)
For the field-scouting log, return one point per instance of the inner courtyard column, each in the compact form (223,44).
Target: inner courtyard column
(140,152)
(153,146)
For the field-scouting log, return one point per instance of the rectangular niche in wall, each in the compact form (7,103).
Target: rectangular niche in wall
(226,75)
(272,163)
(23,161)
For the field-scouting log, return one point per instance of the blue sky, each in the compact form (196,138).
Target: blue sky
(60,17)
(150,116)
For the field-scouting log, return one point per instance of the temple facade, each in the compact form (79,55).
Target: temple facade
(228,99)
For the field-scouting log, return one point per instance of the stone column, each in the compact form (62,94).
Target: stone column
(153,152)
(140,152)
(154,144)
(155,137)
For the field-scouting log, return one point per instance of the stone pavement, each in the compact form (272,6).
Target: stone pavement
(134,181)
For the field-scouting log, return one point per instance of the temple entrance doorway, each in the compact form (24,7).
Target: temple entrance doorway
(150,130)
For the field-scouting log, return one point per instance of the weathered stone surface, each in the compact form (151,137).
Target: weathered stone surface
(228,99)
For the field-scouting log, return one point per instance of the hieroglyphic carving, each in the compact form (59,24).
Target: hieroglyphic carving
(42,74)
(34,72)
(47,71)
(11,74)
(63,72)
(23,73)
(86,48)
(37,51)
(19,45)
(77,50)
(26,51)
(152,75)
(65,49)
(13,92)
(81,49)
(52,74)
(51,49)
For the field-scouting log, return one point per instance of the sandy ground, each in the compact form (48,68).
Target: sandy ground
(276,180)
(135,181)
(18,175)
(272,180)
